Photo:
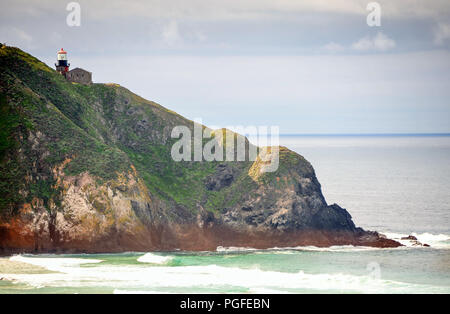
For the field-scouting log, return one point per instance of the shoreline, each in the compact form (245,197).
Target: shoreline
(401,238)
(195,239)
(10,267)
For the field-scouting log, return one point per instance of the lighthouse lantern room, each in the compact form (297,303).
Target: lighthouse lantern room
(62,66)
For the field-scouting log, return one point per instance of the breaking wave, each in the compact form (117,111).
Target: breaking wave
(438,241)
(53,263)
(200,273)
(151,279)
(289,250)
(154,259)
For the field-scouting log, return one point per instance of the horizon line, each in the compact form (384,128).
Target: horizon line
(365,134)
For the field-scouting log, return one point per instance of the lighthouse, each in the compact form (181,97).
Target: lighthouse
(62,66)
(77,75)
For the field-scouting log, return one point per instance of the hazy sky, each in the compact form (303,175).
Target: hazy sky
(308,66)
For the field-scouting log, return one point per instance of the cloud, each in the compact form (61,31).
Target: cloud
(441,33)
(232,9)
(16,36)
(334,47)
(170,34)
(200,36)
(226,27)
(380,42)
(22,35)
(283,90)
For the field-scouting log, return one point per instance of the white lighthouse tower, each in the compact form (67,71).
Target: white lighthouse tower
(62,65)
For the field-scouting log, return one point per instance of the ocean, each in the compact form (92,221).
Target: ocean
(397,185)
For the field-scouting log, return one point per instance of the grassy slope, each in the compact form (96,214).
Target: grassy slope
(29,91)
(93,126)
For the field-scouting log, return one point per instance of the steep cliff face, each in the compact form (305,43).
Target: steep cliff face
(88,168)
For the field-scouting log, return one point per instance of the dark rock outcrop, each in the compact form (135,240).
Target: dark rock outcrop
(223,177)
(410,237)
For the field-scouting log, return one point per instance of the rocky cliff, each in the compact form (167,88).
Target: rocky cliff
(88,169)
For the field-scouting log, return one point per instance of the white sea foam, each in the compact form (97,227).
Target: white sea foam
(291,250)
(432,239)
(266,291)
(71,272)
(235,249)
(150,279)
(438,241)
(53,263)
(335,248)
(154,259)
(121,291)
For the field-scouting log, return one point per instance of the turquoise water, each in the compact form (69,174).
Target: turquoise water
(341,270)
(397,185)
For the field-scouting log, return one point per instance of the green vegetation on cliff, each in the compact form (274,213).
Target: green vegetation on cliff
(89,168)
(93,162)
(102,128)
